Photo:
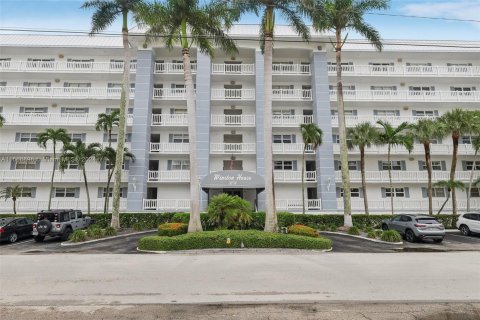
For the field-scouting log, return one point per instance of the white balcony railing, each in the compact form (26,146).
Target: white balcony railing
(65,66)
(54,119)
(172,68)
(169,93)
(226,68)
(247,148)
(433,71)
(32,205)
(222,120)
(291,120)
(294,148)
(393,95)
(286,69)
(169,176)
(352,121)
(233,94)
(45,176)
(173,120)
(63,92)
(405,176)
(33,147)
(296,205)
(166,204)
(418,149)
(292,94)
(294,176)
(408,204)
(166,147)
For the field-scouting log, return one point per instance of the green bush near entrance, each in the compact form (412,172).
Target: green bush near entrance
(233,239)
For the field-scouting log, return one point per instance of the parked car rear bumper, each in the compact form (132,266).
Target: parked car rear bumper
(430,234)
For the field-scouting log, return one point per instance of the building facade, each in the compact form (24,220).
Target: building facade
(60,81)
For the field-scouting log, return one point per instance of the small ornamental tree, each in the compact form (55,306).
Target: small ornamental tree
(229,212)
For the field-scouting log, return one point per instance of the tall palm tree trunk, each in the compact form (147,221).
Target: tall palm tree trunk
(124,100)
(107,195)
(390,178)
(270,211)
(364,183)
(86,188)
(428,163)
(53,175)
(303,179)
(347,205)
(15,205)
(453,168)
(443,205)
(469,189)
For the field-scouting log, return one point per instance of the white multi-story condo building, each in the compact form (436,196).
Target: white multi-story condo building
(66,81)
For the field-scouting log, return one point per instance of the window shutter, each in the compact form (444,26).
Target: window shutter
(361,192)
(103,165)
(37,164)
(22,109)
(414,113)
(359,165)
(130,110)
(17,137)
(397,113)
(294,165)
(435,113)
(375,112)
(84,137)
(444,165)
(45,110)
(77,192)
(407,192)
(128,137)
(127,164)
(336,164)
(169,165)
(124,192)
(420,165)
(12,164)
(170,138)
(34,192)
(380,165)
(403,165)
(474,88)
(432,88)
(62,110)
(464,165)
(338,192)
(86,110)
(294,138)
(354,112)
(384,193)
(100,192)
(424,192)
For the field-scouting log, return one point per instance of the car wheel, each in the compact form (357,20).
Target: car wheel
(464,230)
(437,240)
(410,236)
(13,238)
(384,227)
(39,238)
(66,234)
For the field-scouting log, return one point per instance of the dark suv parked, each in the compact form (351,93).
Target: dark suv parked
(59,223)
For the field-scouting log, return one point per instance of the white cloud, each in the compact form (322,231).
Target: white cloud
(460,9)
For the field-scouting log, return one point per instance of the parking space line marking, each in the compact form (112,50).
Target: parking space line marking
(18,243)
(464,237)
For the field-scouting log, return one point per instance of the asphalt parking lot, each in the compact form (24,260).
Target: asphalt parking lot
(341,243)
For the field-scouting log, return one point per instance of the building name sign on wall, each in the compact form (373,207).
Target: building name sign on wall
(231,179)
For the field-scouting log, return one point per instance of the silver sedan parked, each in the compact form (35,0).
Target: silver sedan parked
(415,227)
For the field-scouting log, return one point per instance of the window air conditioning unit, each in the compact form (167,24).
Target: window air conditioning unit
(61,56)
(399,60)
(406,108)
(232,82)
(54,105)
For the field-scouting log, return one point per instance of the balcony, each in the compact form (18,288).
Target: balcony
(405,176)
(55,119)
(45,176)
(169,120)
(444,149)
(291,120)
(423,71)
(169,93)
(169,176)
(290,69)
(294,176)
(63,92)
(407,204)
(352,121)
(31,205)
(232,69)
(296,205)
(233,94)
(419,96)
(166,204)
(64,66)
(222,148)
(169,148)
(292,94)
(221,120)
(33,147)
(291,148)
(172,68)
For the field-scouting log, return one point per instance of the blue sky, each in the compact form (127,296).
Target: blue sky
(65,14)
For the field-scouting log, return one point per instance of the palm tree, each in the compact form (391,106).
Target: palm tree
(312,137)
(476,148)
(106,11)
(292,11)
(12,192)
(106,122)
(393,137)
(109,156)
(55,136)
(450,185)
(79,153)
(457,122)
(343,16)
(186,23)
(362,136)
(2,120)
(424,131)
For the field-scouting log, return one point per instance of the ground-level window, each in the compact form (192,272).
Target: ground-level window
(65,192)
(475,192)
(354,192)
(396,192)
(27,192)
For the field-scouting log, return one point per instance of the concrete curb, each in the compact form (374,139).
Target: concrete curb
(213,251)
(74,244)
(360,237)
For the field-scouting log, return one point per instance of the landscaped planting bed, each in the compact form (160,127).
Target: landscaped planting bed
(233,239)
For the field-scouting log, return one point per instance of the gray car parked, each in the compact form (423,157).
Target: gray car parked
(414,227)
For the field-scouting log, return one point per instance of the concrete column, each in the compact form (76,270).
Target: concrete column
(203,121)
(259,98)
(142,112)
(322,117)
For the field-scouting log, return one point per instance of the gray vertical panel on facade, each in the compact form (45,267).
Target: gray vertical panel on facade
(322,117)
(138,173)
(203,121)
(259,98)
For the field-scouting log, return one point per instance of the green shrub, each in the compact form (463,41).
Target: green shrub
(230,212)
(218,239)
(302,230)
(391,236)
(332,227)
(94,232)
(371,235)
(354,231)
(110,232)
(172,229)
(78,236)
(322,227)
(139,226)
(378,233)
(368,229)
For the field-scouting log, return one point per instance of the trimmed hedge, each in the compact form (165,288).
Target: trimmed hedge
(172,229)
(302,230)
(219,239)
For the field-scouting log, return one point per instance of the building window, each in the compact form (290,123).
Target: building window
(397,192)
(25,164)
(425,113)
(468,165)
(71,166)
(178,138)
(393,165)
(354,192)
(65,192)
(77,137)
(284,165)
(27,137)
(465,140)
(381,66)
(347,112)
(110,192)
(33,109)
(74,110)
(383,88)
(284,138)
(421,88)
(386,113)
(77,84)
(37,84)
(439,192)
(352,165)
(283,112)
(180,165)
(475,192)
(27,192)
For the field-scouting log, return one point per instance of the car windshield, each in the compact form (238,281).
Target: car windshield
(428,221)
(5,221)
